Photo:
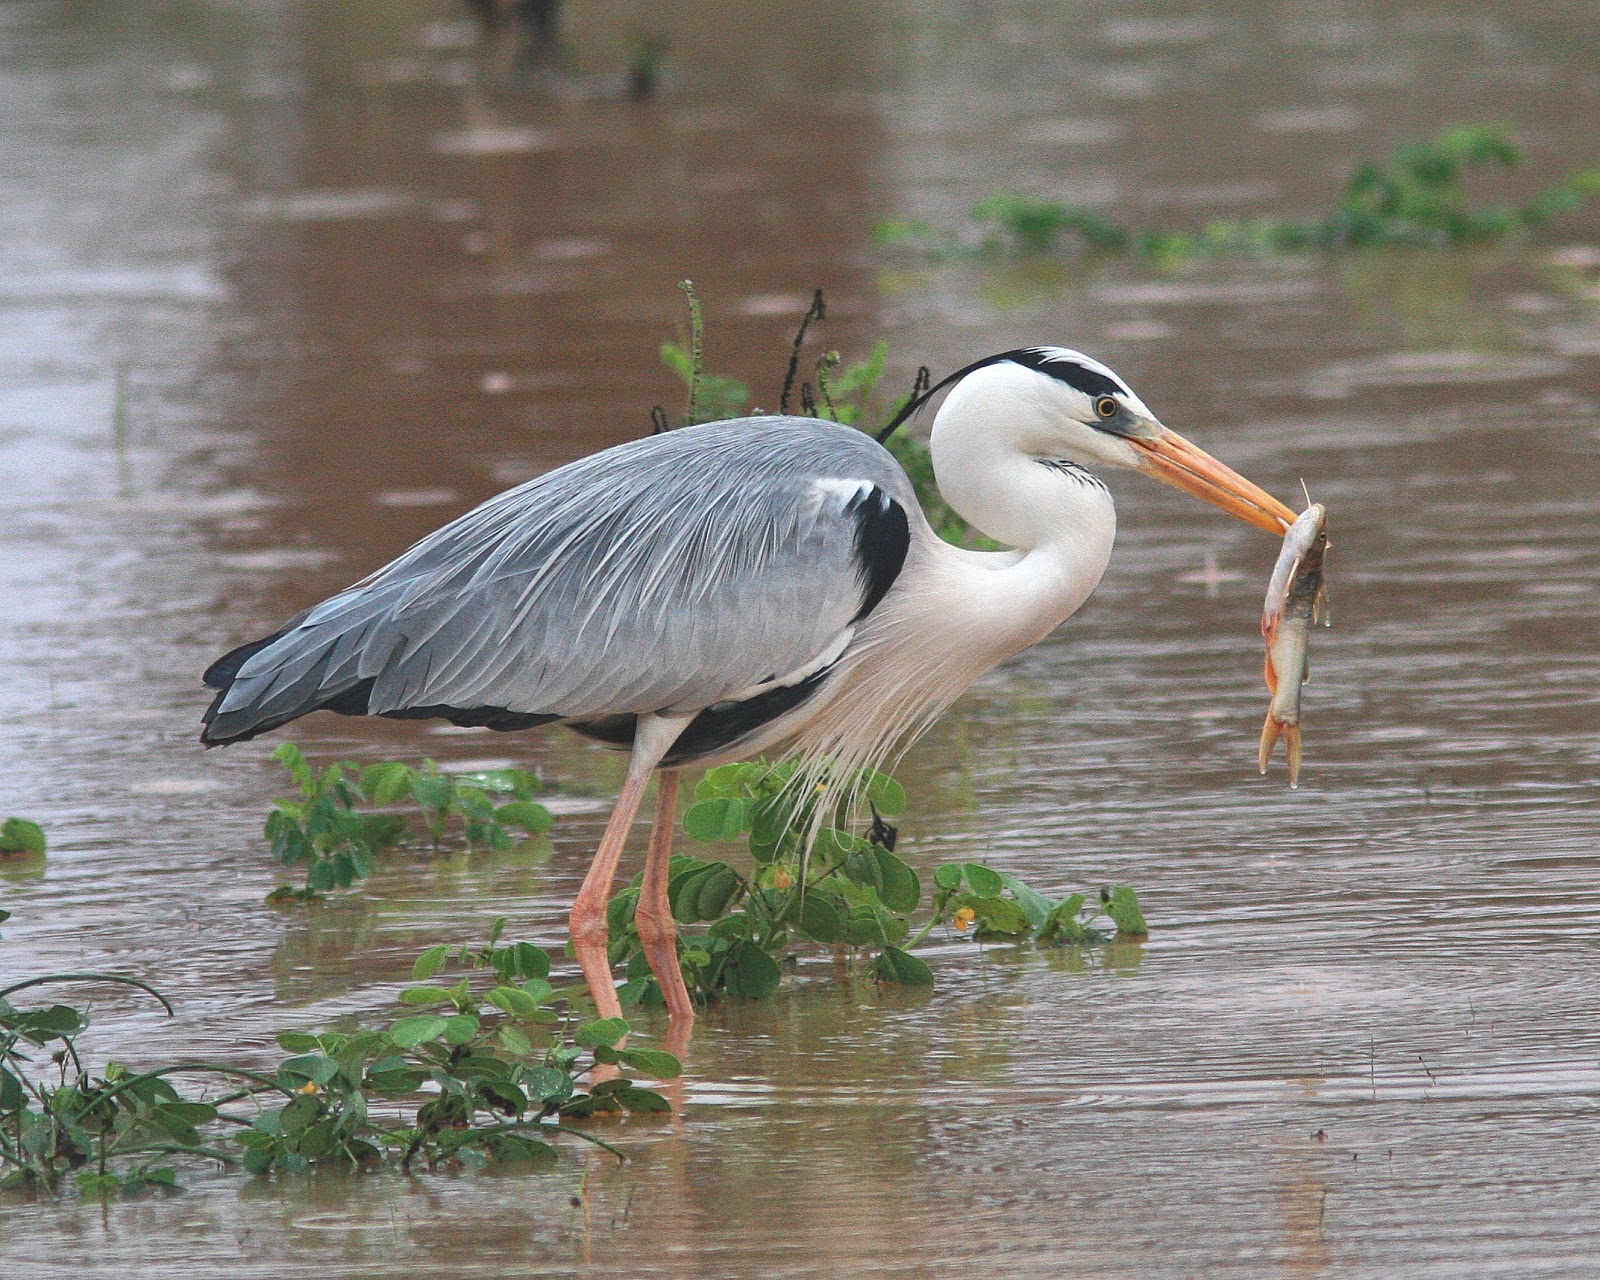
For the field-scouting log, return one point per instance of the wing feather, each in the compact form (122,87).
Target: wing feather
(670,572)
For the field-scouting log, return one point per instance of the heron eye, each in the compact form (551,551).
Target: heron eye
(1106,406)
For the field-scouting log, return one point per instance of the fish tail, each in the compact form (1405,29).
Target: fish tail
(1270,729)
(1291,742)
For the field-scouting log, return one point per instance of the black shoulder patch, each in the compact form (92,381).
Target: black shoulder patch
(883,536)
(721,725)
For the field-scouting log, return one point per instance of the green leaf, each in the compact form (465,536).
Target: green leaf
(540,991)
(642,1102)
(190,1112)
(999,917)
(300,1114)
(1062,924)
(898,966)
(474,803)
(315,1067)
(948,877)
(588,1104)
(822,917)
(514,1040)
(407,1033)
(750,973)
(898,885)
(1034,905)
(888,797)
(386,783)
(703,893)
(516,782)
(655,1063)
(55,1022)
(460,1028)
(12,1095)
(431,790)
(290,757)
(548,1084)
(861,866)
(513,1000)
(258,1160)
(425,995)
(724,780)
(518,1148)
(321,876)
(18,835)
(521,960)
(394,1081)
(719,819)
(530,815)
(1122,905)
(832,844)
(429,963)
(981,880)
(606,1031)
(298,1042)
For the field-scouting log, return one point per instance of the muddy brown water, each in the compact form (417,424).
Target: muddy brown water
(286,285)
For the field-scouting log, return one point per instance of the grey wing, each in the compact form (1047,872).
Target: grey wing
(666,574)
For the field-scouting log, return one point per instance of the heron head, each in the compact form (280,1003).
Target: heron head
(1059,403)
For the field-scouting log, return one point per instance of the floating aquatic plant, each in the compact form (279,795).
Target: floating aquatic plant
(1415,197)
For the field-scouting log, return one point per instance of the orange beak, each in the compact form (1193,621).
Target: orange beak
(1167,456)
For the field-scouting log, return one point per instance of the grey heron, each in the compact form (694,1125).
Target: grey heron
(730,588)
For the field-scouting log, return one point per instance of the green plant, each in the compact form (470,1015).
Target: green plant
(843,891)
(1415,197)
(711,396)
(326,831)
(18,836)
(1027,224)
(483,1070)
(845,393)
(110,1129)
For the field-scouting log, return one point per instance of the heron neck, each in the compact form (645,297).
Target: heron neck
(1023,501)
(1061,523)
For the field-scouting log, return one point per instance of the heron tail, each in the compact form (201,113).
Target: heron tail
(285,683)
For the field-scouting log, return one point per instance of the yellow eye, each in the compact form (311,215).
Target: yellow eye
(1106,406)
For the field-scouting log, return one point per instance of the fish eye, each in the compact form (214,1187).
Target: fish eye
(1106,406)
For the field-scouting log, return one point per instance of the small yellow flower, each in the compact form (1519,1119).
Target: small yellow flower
(308,1087)
(964,917)
(781,879)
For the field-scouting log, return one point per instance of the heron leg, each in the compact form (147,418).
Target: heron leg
(590,940)
(652,739)
(658,931)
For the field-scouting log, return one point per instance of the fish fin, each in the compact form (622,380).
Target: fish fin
(1291,742)
(1320,612)
(1270,729)
(1270,673)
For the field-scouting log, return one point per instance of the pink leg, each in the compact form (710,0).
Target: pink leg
(588,920)
(658,931)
